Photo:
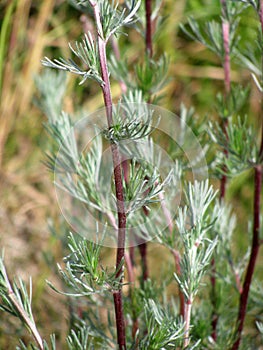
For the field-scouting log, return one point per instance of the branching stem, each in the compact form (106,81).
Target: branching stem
(117,295)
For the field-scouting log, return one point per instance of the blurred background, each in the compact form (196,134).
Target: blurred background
(31,30)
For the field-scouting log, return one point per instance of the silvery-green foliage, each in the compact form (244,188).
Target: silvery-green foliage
(133,96)
(255,301)
(199,197)
(16,300)
(193,223)
(251,59)
(113,15)
(260,328)
(130,124)
(140,23)
(83,339)
(114,18)
(81,177)
(20,292)
(62,134)
(143,186)
(83,273)
(51,87)
(31,346)
(254,3)
(149,77)
(164,329)
(211,35)
(231,104)
(87,52)
(240,141)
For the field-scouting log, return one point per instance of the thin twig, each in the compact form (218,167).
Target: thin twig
(21,312)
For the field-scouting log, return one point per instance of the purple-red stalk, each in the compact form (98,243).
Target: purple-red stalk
(148,34)
(116,156)
(253,256)
(256,227)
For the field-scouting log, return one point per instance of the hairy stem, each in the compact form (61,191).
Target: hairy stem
(116,156)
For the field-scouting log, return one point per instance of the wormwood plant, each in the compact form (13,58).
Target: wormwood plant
(136,198)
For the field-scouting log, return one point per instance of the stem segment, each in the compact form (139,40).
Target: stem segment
(116,156)
(21,312)
(256,225)
(187,318)
(148,36)
(253,256)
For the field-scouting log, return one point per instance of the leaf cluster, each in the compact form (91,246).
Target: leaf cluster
(149,77)
(211,35)
(164,329)
(193,223)
(51,87)
(231,104)
(83,273)
(240,142)
(87,52)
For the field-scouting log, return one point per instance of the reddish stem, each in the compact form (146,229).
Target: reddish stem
(143,253)
(148,34)
(149,50)
(177,259)
(253,257)
(213,299)
(256,228)
(227,80)
(187,319)
(117,295)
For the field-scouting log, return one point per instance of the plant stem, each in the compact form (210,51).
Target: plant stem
(256,224)
(149,51)
(187,319)
(177,259)
(116,156)
(21,312)
(148,36)
(253,256)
